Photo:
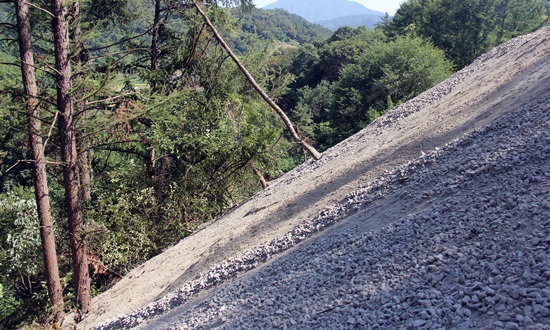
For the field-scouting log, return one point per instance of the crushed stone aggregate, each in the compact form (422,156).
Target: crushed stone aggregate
(475,255)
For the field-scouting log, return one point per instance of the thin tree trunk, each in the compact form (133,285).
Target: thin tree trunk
(290,128)
(85,169)
(41,190)
(259,175)
(71,181)
(84,165)
(150,160)
(156,36)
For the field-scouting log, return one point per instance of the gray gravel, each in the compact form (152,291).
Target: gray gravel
(475,256)
(468,246)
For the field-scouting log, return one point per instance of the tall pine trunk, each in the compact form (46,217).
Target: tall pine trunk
(84,165)
(289,127)
(69,155)
(41,190)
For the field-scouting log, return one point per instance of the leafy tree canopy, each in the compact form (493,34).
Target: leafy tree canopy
(467,29)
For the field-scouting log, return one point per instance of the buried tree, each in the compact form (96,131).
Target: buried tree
(290,128)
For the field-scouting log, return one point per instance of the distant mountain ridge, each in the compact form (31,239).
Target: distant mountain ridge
(323,10)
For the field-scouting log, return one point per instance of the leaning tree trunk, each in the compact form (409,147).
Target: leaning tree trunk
(41,190)
(69,155)
(290,128)
(259,174)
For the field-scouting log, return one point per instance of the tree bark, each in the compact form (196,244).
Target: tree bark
(259,175)
(290,128)
(84,165)
(156,36)
(41,189)
(85,169)
(69,155)
(151,162)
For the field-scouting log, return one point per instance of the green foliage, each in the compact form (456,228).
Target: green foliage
(324,60)
(280,25)
(344,47)
(467,29)
(12,148)
(386,73)
(310,113)
(21,266)
(122,220)
(107,10)
(353,77)
(202,170)
(194,109)
(20,229)
(305,65)
(205,126)
(10,75)
(10,307)
(11,120)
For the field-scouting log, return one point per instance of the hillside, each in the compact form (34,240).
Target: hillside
(354,21)
(320,10)
(280,25)
(442,212)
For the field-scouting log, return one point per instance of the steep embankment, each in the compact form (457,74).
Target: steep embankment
(458,238)
(316,194)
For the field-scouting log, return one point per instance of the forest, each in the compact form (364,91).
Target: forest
(126,125)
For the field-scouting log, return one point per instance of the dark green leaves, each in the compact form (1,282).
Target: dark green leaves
(384,74)
(467,29)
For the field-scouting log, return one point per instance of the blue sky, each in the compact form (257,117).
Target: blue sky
(386,6)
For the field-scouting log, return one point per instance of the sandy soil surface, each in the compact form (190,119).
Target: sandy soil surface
(505,79)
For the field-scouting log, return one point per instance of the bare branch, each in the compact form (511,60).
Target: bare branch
(129,51)
(47,65)
(109,99)
(29,161)
(51,129)
(8,40)
(9,25)
(11,63)
(18,162)
(18,64)
(111,147)
(39,8)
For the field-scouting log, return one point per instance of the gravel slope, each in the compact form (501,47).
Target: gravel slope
(404,253)
(468,247)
